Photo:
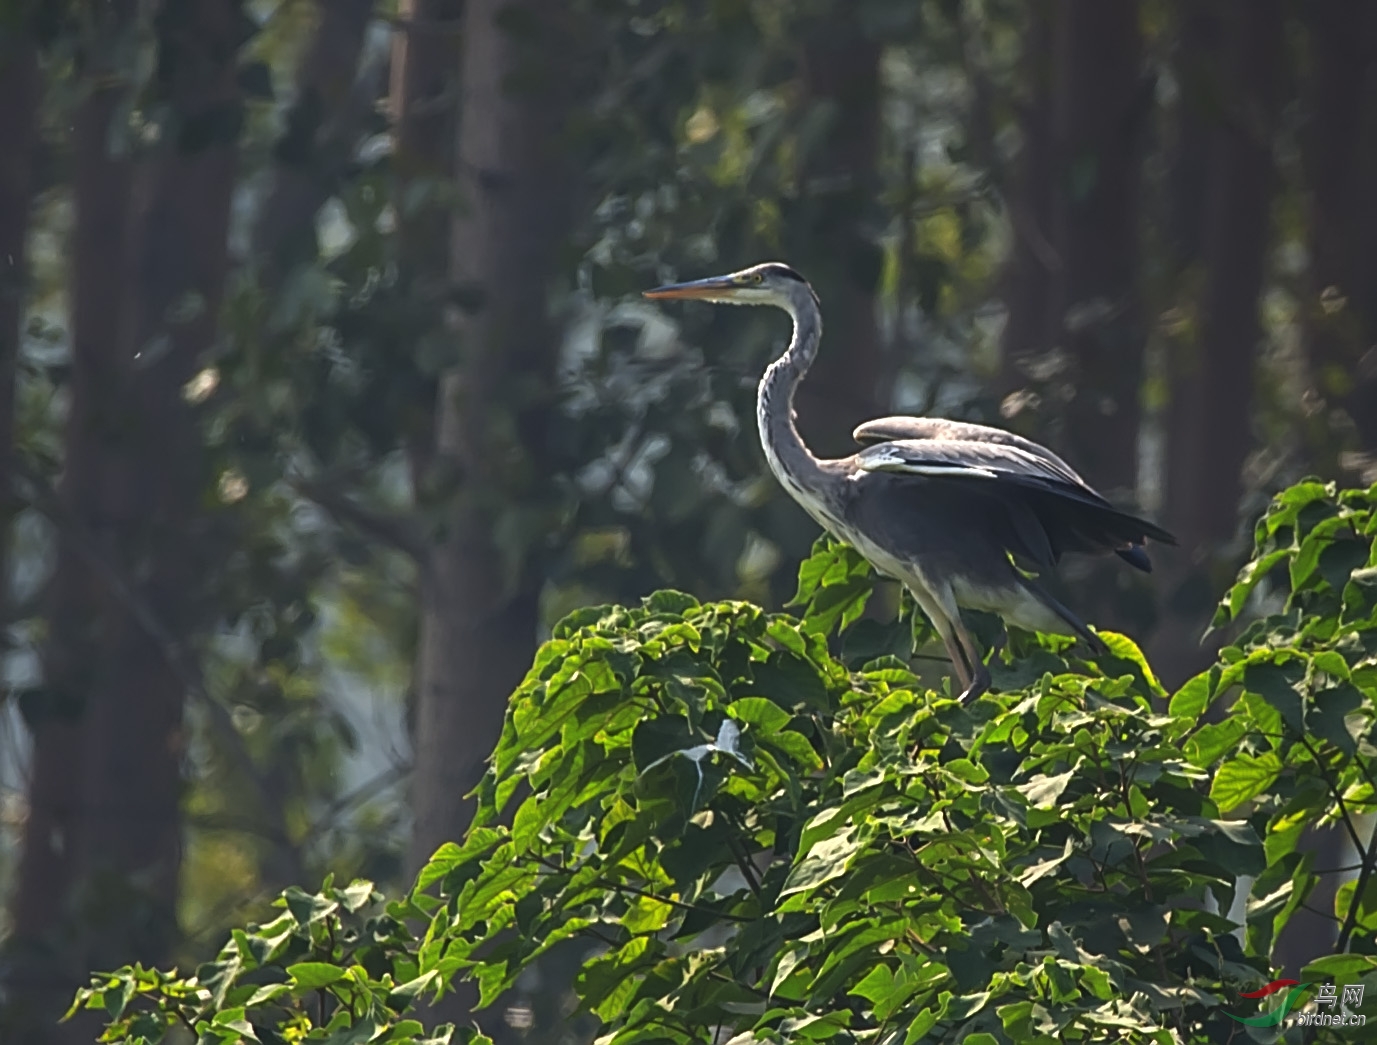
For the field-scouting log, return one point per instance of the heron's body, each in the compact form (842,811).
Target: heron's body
(963,515)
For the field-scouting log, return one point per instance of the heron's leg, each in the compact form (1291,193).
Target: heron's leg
(957,656)
(1000,641)
(940,606)
(980,674)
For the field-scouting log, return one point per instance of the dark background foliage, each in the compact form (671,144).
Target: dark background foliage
(325,389)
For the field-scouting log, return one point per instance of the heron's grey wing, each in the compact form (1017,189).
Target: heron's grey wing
(905,429)
(1073,516)
(970,535)
(972,459)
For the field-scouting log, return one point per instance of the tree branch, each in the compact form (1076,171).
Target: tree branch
(1369,856)
(1333,786)
(395,531)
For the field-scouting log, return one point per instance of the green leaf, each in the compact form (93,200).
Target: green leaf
(796,746)
(1328,718)
(1042,791)
(233,1019)
(1211,741)
(1242,778)
(1125,648)
(1248,579)
(828,859)
(1340,968)
(306,908)
(764,714)
(1191,700)
(359,1033)
(1366,918)
(356,895)
(1278,684)
(309,976)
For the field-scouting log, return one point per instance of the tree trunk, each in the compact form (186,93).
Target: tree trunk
(46,966)
(1339,149)
(479,609)
(1098,120)
(152,481)
(42,869)
(1034,261)
(1196,66)
(841,71)
(1073,352)
(1073,347)
(425,106)
(109,741)
(1209,418)
(19,104)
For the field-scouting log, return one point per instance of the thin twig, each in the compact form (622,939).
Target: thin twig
(389,776)
(396,531)
(1330,915)
(1356,902)
(742,857)
(608,883)
(1333,786)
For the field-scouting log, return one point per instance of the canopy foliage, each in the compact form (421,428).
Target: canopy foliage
(757,829)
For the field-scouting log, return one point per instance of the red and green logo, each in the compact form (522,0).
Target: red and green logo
(1288,1002)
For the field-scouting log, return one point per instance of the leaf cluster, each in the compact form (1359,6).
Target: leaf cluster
(751,833)
(339,967)
(1298,737)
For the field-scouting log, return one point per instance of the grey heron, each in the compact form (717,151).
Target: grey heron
(962,515)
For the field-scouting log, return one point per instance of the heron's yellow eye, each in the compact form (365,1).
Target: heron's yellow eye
(756,277)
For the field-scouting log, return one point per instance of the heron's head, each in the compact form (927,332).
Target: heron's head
(771,283)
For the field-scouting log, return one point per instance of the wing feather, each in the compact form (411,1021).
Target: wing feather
(965,458)
(1074,516)
(939,429)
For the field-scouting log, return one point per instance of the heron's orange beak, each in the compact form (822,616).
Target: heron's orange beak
(713,287)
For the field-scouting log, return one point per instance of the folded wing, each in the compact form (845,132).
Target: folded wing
(1051,508)
(937,429)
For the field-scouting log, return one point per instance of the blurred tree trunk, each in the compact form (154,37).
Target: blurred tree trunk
(19,108)
(1195,66)
(1099,115)
(1073,346)
(318,139)
(1209,429)
(36,901)
(44,965)
(1073,351)
(425,108)
(841,75)
(1033,260)
(1339,150)
(480,606)
(150,260)
(152,481)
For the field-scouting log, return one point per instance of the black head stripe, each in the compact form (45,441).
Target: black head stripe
(784,271)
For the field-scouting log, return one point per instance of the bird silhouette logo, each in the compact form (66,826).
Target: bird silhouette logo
(1288,1002)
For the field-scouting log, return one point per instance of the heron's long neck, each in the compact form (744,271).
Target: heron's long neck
(791,461)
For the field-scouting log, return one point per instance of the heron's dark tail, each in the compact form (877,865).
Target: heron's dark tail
(1076,521)
(1136,556)
(1077,625)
